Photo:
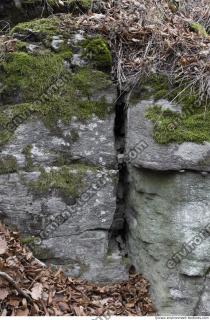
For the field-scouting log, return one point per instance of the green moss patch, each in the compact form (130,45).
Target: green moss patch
(199,29)
(70,96)
(8,164)
(192,124)
(40,84)
(67,180)
(96,51)
(170,127)
(46,27)
(30,75)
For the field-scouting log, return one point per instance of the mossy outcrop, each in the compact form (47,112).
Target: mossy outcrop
(190,124)
(57,120)
(43,83)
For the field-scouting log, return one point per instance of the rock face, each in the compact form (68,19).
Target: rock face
(168,214)
(60,132)
(59,172)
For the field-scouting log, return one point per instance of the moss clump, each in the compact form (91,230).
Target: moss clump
(68,180)
(30,75)
(172,127)
(46,27)
(199,29)
(70,96)
(20,46)
(28,240)
(5,134)
(40,84)
(8,164)
(156,87)
(96,51)
(75,99)
(192,124)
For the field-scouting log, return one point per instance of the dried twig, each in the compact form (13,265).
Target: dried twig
(5,276)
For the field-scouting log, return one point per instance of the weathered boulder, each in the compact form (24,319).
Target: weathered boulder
(59,176)
(168,204)
(166,143)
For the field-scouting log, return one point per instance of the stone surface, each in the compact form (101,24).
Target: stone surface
(165,212)
(47,157)
(81,243)
(168,214)
(154,156)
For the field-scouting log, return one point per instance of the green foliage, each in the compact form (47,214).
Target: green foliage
(8,164)
(199,29)
(97,52)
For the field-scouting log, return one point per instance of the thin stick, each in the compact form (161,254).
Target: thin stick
(5,276)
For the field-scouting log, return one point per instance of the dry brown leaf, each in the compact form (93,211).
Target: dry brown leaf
(3,293)
(3,246)
(23,313)
(79,311)
(36,291)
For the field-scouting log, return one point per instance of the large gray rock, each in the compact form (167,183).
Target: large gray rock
(168,215)
(58,169)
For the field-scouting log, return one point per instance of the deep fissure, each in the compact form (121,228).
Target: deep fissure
(118,231)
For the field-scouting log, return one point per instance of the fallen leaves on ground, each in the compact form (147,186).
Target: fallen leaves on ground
(54,294)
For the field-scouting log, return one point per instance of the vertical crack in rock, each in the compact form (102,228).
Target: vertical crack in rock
(117,234)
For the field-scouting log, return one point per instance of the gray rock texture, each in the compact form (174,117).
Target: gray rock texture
(168,215)
(154,156)
(58,174)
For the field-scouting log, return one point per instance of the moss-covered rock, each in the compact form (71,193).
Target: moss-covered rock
(66,180)
(96,51)
(42,83)
(30,75)
(192,124)
(8,164)
(45,27)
